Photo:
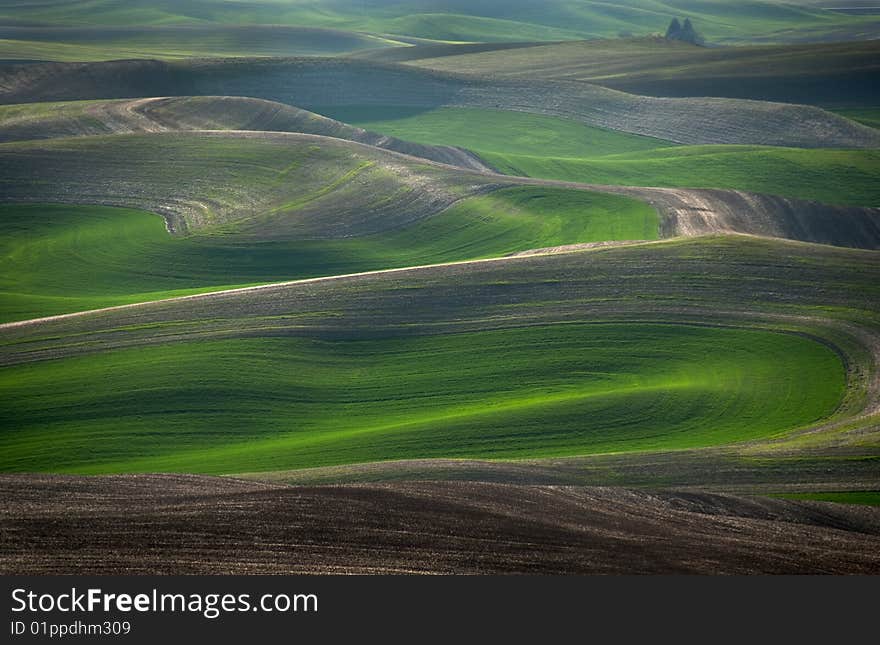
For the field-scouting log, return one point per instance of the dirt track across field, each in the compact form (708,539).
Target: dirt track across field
(190,524)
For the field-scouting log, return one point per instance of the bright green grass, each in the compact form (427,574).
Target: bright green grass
(552,148)
(845,177)
(494,131)
(239,405)
(57,259)
(869,498)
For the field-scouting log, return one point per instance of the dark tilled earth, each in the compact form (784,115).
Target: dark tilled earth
(190,524)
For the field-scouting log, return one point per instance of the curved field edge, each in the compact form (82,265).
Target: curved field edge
(219,406)
(486,129)
(555,148)
(83,118)
(770,284)
(517,142)
(271,187)
(58,259)
(841,177)
(346,82)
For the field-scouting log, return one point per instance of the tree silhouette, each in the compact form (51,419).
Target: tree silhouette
(683,32)
(674,30)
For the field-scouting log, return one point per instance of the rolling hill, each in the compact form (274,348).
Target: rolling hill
(460,20)
(62,42)
(832,74)
(659,346)
(554,148)
(350,82)
(256,185)
(265,186)
(275,403)
(280,206)
(58,259)
(845,177)
(481,286)
(80,118)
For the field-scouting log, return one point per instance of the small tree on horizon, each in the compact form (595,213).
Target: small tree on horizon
(684,32)
(674,30)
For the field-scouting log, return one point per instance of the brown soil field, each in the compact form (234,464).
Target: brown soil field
(187,524)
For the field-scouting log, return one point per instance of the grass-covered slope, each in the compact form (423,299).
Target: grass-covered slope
(351,82)
(264,403)
(835,74)
(490,130)
(80,118)
(254,185)
(466,20)
(846,177)
(665,345)
(275,188)
(59,259)
(554,148)
(167,41)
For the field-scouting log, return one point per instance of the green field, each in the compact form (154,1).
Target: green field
(845,177)
(439,286)
(868,116)
(173,42)
(867,498)
(58,259)
(341,81)
(273,403)
(498,131)
(553,148)
(744,338)
(459,20)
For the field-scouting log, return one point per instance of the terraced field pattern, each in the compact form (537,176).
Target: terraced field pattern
(499,276)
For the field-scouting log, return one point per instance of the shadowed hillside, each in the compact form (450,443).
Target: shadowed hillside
(818,74)
(259,185)
(660,346)
(282,186)
(332,82)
